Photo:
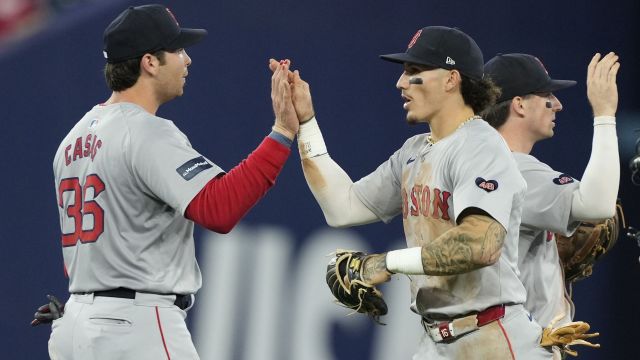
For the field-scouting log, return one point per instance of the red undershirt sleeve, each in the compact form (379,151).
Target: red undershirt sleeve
(221,204)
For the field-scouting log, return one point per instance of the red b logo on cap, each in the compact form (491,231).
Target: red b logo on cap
(173,16)
(541,64)
(414,39)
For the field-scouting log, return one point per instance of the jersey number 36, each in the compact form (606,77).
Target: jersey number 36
(81,207)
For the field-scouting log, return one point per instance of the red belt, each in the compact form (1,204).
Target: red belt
(449,330)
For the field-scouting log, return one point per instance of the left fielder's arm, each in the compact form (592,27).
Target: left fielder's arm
(596,196)
(473,244)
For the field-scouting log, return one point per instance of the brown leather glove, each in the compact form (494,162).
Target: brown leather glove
(573,333)
(589,242)
(344,277)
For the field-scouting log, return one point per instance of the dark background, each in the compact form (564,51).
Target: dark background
(50,79)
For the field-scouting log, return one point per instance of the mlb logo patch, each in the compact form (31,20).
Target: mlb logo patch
(563,179)
(486,185)
(93,124)
(193,167)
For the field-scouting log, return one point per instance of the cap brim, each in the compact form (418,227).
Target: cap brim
(402,58)
(555,85)
(187,38)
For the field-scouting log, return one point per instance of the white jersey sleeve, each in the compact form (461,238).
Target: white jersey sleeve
(380,191)
(549,196)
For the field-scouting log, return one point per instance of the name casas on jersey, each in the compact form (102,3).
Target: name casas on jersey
(85,146)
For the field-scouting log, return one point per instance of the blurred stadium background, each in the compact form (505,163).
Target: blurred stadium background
(264,295)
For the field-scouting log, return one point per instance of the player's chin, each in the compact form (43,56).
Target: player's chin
(411,118)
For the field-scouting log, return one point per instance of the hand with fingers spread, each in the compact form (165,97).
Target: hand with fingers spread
(300,93)
(602,90)
(286,121)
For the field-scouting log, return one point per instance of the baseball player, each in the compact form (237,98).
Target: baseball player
(555,202)
(460,196)
(130,188)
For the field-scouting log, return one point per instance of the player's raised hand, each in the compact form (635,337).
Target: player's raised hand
(301,95)
(286,121)
(602,89)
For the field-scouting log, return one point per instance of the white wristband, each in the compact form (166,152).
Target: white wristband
(604,120)
(405,261)
(310,140)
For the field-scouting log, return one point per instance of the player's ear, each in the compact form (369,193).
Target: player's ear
(517,105)
(453,80)
(149,64)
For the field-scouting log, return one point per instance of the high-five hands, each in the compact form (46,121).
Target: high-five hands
(300,92)
(286,121)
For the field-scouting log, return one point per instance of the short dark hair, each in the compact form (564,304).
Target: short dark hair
(497,114)
(122,75)
(479,94)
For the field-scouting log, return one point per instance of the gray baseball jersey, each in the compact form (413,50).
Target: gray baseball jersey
(124,179)
(547,210)
(430,185)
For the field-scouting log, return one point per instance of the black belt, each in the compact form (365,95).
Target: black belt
(182,301)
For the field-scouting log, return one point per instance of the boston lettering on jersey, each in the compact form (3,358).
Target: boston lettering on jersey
(193,167)
(80,151)
(425,202)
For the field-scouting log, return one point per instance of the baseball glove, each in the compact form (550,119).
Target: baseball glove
(344,277)
(48,312)
(573,333)
(591,240)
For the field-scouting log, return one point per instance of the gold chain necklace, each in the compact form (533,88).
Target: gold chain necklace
(474,117)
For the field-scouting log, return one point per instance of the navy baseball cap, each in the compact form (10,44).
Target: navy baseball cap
(146,29)
(521,74)
(443,47)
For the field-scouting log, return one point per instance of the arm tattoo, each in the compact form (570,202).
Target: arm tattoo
(475,243)
(373,267)
(492,243)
